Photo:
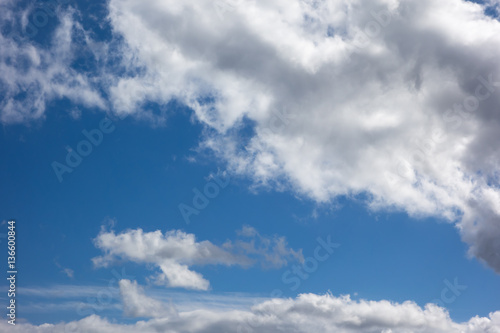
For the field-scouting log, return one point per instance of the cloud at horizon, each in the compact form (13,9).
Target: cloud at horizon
(306,313)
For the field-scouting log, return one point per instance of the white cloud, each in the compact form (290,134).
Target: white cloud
(369,88)
(31,76)
(137,304)
(307,313)
(175,251)
(69,272)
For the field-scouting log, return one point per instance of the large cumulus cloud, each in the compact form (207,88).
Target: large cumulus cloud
(396,99)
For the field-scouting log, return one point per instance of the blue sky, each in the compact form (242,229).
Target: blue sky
(316,172)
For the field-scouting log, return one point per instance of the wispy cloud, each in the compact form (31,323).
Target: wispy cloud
(32,76)
(70,298)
